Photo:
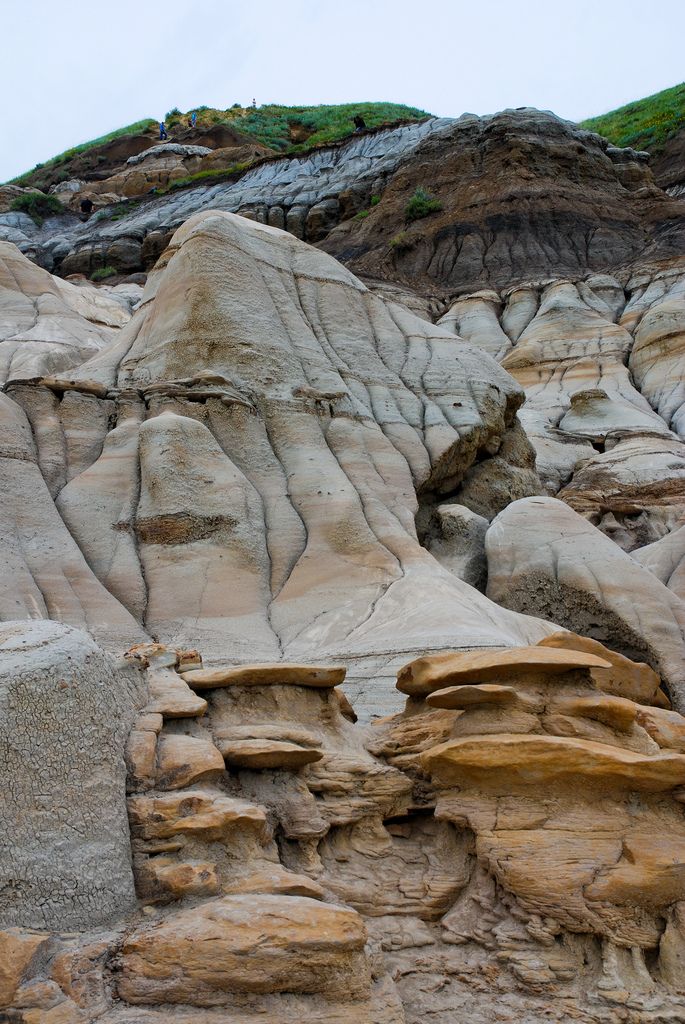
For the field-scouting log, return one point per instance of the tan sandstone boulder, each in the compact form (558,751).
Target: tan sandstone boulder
(257,943)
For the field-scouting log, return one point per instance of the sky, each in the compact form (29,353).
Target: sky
(71,72)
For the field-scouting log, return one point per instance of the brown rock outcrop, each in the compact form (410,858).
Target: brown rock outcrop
(523,195)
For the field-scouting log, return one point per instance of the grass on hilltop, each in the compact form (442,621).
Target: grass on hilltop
(643,124)
(275,125)
(283,129)
(69,154)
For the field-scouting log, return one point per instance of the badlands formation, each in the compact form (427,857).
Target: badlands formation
(342,609)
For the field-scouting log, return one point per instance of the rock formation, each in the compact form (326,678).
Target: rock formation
(523,816)
(341,619)
(240,480)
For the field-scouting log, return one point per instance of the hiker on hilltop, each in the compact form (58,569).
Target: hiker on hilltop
(359,123)
(193,119)
(162,131)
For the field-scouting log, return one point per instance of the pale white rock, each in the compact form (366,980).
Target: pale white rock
(595,416)
(545,559)
(666,559)
(277,518)
(45,574)
(176,148)
(657,360)
(634,491)
(475,318)
(99,508)
(205,561)
(46,327)
(521,306)
(568,347)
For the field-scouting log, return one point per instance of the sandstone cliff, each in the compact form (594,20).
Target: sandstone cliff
(343,621)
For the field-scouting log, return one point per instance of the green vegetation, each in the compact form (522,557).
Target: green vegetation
(421,204)
(38,206)
(402,242)
(362,215)
(297,129)
(103,273)
(206,177)
(283,129)
(122,209)
(375,200)
(644,124)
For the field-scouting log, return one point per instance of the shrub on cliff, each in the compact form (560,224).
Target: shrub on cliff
(38,206)
(421,205)
(402,242)
(103,273)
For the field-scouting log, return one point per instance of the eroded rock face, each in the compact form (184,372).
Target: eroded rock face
(276,468)
(274,422)
(523,195)
(306,194)
(258,943)
(545,559)
(525,820)
(47,325)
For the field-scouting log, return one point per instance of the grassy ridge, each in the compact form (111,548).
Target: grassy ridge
(69,154)
(273,125)
(643,124)
(284,129)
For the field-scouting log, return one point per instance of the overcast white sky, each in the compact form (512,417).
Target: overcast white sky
(71,71)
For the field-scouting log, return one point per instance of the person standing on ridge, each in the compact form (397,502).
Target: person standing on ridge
(162,131)
(359,123)
(193,119)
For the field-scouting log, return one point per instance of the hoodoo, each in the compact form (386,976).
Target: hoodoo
(342,621)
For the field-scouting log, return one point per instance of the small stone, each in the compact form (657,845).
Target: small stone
(182,760)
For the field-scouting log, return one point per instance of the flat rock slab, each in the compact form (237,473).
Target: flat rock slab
(616,712)
(182,760)
(278,882)
(265,753)
(625,678)
(276,674)
(667,728)
(468,696)
(171,697)
(424,675)
(531,759)
(195,813)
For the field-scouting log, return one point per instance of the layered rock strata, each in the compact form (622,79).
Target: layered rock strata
(257,438)
(523,813)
